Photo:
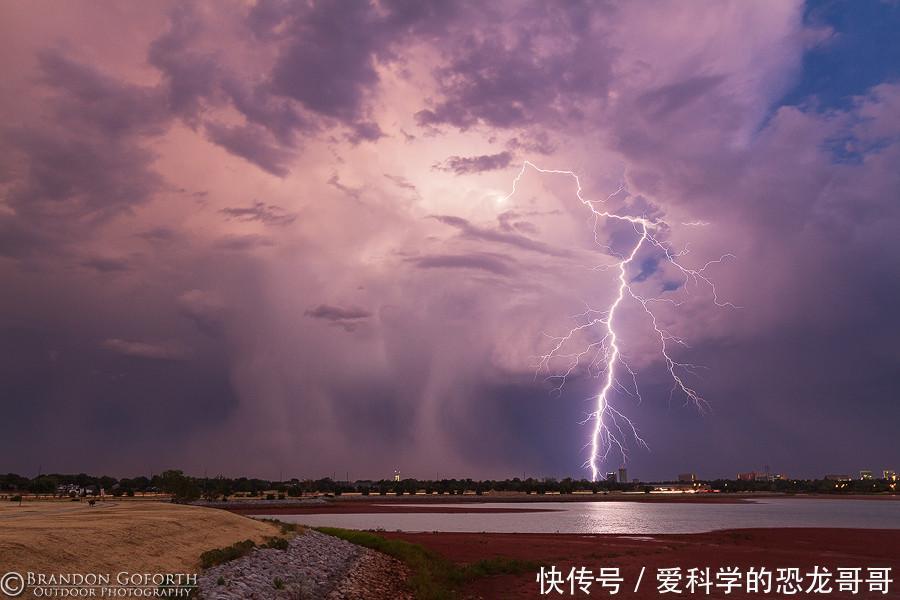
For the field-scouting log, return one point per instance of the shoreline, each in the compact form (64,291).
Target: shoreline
(172,537)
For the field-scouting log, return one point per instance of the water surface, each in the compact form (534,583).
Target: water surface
(629,517)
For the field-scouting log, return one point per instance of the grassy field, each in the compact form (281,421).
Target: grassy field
(113,536)
(433,576)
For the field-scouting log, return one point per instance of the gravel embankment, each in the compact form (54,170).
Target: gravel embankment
(314,567)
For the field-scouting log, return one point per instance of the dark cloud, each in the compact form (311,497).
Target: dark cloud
(80,178)
(512,221)
(510,421)
(268,214)
(522,78)
(240,243)
(106,265)
(482,261)
(252,143)
(350,318)
(198,79)
(388,413)
(367,131)
(337,313)
(85,166)
(319,79)
(533,142)
(277,115)
(463,165)
(133,398)
(474,232)
(329,65)
(401,182)
(21,239)
(323,73)
(205,309)
(266,16)
(191,75)
(100,104)
(335,182)
(668,98)
(159,234)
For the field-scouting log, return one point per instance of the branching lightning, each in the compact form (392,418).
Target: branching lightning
(611,429)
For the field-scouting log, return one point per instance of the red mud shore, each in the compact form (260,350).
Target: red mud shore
(743,548)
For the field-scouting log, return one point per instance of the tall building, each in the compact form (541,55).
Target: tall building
(396,475)
(889,475)
(687,477)
(623,475)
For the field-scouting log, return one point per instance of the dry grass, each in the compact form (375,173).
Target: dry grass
(113,536)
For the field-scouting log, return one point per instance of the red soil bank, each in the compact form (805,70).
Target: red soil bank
(743,548)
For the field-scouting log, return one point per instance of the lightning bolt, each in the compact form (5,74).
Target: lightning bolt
(611,428)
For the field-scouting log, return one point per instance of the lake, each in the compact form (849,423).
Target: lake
(628,517)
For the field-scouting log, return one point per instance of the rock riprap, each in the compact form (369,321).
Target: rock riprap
(314,566)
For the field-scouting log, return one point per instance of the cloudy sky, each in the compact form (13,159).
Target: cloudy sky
(277,237)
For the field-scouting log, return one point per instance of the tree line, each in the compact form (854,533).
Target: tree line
(186,487)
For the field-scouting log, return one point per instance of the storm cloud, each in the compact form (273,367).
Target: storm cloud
(281,237)
(462,165)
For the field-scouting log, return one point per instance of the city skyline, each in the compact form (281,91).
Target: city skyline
(619,477)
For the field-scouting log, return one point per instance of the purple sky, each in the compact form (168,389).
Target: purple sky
(274,238)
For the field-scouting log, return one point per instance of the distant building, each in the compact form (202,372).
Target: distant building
(682,487)
(865,474)
(70,489)
(396,475)
(611,476)
(758,476)
(832,477)
(687,477)
(889,475)
(623,475)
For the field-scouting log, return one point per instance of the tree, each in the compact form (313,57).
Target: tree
(218,487)
(11,481)
(182,488)
(106,482)
(42,485)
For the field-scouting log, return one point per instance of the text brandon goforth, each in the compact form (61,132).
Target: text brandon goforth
(123,584)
